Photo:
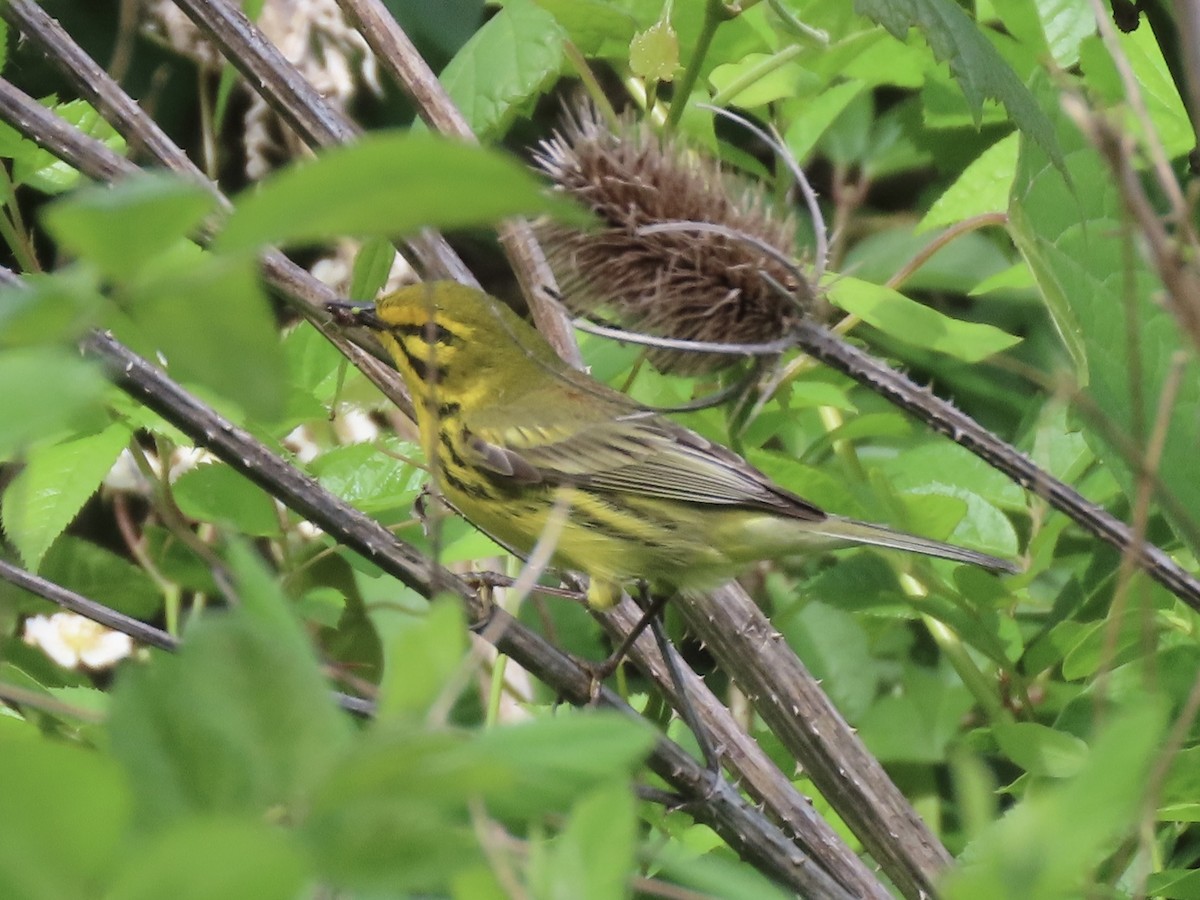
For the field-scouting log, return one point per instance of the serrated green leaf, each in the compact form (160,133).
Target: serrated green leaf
(369,478)
(942,463)
(507,63)
(386,184)
(42,170)
(1159,93)
(893,313)
(654,53)
(50,490)
(154,210)
(980,70)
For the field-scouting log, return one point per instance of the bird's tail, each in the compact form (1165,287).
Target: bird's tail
(851,531)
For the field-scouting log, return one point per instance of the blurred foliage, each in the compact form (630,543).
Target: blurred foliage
(1043,724)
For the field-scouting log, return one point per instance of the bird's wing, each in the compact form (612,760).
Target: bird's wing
(601,441)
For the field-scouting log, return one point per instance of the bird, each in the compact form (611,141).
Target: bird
(512,434)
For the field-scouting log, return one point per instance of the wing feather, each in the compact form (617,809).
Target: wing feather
(603,442)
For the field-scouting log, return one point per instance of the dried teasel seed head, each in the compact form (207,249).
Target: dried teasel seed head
(680,283)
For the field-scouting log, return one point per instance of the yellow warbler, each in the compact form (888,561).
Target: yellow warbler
(512,432)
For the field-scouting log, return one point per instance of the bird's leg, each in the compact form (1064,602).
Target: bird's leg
(651,611)
(653,606)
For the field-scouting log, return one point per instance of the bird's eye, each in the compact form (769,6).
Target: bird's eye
(433,333)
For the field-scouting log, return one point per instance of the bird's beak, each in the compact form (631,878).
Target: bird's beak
(368,319)
(355,314)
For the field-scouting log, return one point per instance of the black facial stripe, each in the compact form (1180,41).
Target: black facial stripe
(430,332)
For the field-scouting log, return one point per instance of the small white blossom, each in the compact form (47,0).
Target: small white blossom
(73,641)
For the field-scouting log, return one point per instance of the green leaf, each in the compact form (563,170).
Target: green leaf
(54,796)
(902,318)
(43,391)
(211,321)
(759,78)
(817,114)
(508,62)
(41,169)
(1040,750)
(420,660)
(714,874)
(594,853)
(48,493)
(100,574)
(49,308)
(1156,86)
(956,267)
(1046,845)
(1112,320)
(386,184)
(445,26)
(203,858)
(948,466)
(553,760)
(1174,884)
(372,265)
(835,647)
(980,70)
(982,188)
(154,211)
(239,721)
(654,53)
(394,812)
(599,28)
(372,480)
(916,724)
(216,493)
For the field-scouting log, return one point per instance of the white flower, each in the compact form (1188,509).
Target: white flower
(71,641)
